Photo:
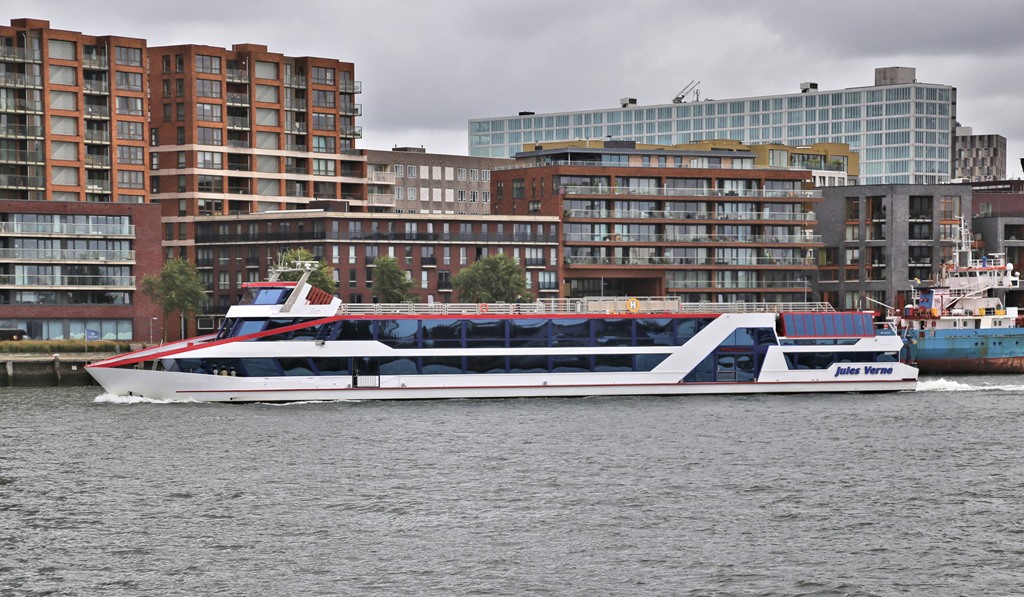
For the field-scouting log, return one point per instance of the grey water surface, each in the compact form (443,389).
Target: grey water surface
(916,493)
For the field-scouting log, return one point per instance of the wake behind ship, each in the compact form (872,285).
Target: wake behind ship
(289,341)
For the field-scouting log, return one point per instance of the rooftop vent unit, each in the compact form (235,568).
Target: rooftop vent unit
(627,101)
(805,87)
(527,113)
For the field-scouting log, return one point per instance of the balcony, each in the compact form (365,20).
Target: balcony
(296,127)
(12,54)
(17,181)
(94,86)
(20,156)
(54,280)
(97,161)
(382,177)
(351,110)
(294,81)
(96,136)
(237,75)
(289,169)
(8,104)
(96,111)
(97,186)
(238,99)
(350,86)
(20,80)
(674,215)
(65,255)
(238,122)
(21,228)
(295,104)
(290,146)
(96,62)
(351,132)
(381,199)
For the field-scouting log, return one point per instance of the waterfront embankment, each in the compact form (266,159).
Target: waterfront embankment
(58,369)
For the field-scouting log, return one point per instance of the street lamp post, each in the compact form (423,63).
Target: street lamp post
(151,320)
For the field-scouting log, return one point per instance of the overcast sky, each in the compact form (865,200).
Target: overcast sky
(428,66)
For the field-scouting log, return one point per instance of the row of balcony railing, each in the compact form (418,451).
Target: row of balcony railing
(206,238)
(65,255)
(692,238)
(8,104)
(18,181)
(21,130)
(688,192)
(763,285)
(60,280)
(22,156)
(20,80)
(71,229)
(691,215)
(691,261)
(14,54)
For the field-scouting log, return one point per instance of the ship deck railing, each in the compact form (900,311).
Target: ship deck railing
(582,306)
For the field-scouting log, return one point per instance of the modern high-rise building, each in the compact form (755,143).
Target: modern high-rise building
(246,130)
(901,127)
(73,212)
(979,158)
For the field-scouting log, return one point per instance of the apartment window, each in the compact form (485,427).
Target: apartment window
(322,76)
(207,88)
(266,94)
(166,63)
(131,106)
(210,184)
(266,70)
(181,159)
(410,171)
(132,131)
(207,64)
(131,179)
(62,75)
(485,175)
(179,110)
(181,183)
(323,167)
(472,196)
(179,63)
(132,57)
(128,81)
(323,98)
(180,137)
(399,170)
(323,122)
(209,136)
(323,144)
(63,125)
(209,112)
(129,154)
(474,174)
(179,87)
(154,161)
(62,50)
(461,174)
(168,112)
(461,196)
(212,160)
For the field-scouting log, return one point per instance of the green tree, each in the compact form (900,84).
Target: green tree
(390,283)
(322,277)
(495,278)
(177,289)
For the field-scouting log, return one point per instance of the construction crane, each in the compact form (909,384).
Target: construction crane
(691,88)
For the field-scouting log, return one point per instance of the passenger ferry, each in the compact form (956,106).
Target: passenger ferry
(289,341)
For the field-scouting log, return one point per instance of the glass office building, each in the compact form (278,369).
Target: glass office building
(903,129)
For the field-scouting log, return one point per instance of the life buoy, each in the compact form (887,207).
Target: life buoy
(482,307)
(632,305)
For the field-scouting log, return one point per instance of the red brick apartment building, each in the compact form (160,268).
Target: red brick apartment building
(73,158)
(700,225)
